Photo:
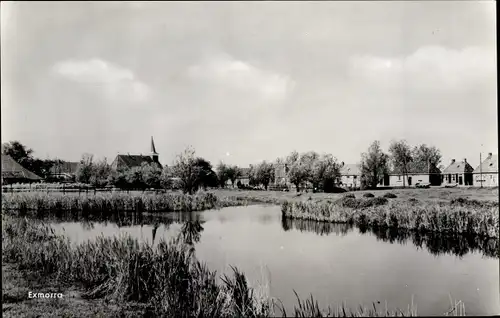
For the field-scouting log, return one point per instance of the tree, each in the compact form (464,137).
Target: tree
(100,172)
(373,165)
(401,157)
(424,157)
(84,171)
(19,152)
(325,172)
(134,178)
(193,172)
(222,173)
(233,173)
(297,172)
(264,173)
(24,156)
(151,175)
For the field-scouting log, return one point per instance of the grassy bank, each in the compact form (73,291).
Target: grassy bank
(428,195)
(162,281)
(458,216)
(39,203)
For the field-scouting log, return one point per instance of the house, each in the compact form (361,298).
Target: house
(280,174)
(486,174)
(13,172)
(129,161)
(417,173)
(64,170)
(244,177)
(350,175)
(458,173)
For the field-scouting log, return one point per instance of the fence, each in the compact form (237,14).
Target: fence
(73,189)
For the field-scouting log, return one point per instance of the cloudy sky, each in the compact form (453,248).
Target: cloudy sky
(244,82)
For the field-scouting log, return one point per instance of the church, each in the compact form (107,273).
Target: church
(128,161)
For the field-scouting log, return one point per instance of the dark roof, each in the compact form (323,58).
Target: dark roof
(64,167)
(133,160)
(350,169)
(490,164)
(458,167)
(13,170)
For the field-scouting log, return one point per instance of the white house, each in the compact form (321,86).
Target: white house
(487,171)
(458,173)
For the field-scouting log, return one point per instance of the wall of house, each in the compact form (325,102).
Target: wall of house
(455,178)
(397,180)
(350,181)
(489,179)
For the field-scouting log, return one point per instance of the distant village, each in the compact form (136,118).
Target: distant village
(456,174)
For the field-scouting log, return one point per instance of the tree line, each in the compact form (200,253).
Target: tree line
(190,172)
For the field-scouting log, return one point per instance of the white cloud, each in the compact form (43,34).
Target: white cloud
(227,71)
(117,83)
(428,67)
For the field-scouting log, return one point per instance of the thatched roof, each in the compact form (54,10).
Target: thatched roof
(13,170)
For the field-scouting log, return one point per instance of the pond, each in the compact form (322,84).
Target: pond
(336,263)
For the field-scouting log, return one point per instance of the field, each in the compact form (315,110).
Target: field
(432,194)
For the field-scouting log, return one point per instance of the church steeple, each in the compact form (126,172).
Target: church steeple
(154,154)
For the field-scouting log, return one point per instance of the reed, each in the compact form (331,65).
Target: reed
(166,278)
(41,204)
(454,217)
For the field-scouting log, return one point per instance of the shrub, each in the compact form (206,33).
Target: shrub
(368,195)
(390,195)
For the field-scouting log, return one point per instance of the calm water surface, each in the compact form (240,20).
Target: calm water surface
(336,263)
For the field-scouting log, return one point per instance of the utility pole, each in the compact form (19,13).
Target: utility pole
(481,168)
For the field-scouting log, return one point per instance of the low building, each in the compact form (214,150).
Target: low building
(64,170)
(416,174)
(244,177)
(350,175)
(128,161)
(458,173)
(486,174)
(13,172)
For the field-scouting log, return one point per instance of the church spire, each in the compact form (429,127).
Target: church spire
(153,149)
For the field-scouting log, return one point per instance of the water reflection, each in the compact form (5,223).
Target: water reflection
(320,228)
(436,244)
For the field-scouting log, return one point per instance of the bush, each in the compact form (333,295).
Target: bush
(390,195)
(368,195)
(350,195)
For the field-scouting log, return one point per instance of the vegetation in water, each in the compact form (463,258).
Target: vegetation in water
(459,216)
(41,204)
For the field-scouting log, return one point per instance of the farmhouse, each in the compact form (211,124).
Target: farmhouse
(129,161)
(244,177)
(417,173)
(458,173)
(64,170)
(486,174)
(350,175)
(13,172)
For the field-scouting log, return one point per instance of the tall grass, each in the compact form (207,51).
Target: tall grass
(167,278)
(459,216)
(41,204)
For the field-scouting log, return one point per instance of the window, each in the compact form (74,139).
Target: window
(355,177)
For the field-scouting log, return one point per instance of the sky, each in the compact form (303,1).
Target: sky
(243,82)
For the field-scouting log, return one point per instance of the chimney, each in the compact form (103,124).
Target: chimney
(342,164)
(490,154)
(465,160)
(452,161)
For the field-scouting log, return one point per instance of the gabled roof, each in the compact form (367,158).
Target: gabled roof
(64,167)
(245,172)
(350,169)
(458,167)
(13,170)
(490,164)
(133,160)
